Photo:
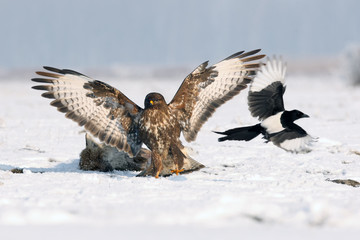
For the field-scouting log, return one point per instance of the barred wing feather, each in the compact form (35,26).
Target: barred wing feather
(103,110)
(207,88)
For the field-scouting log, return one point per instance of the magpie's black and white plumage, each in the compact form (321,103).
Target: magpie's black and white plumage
(265,102)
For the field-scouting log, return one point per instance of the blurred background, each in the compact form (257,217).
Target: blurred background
(88,34)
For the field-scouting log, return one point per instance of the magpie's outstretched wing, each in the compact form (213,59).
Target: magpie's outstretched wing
(267,89)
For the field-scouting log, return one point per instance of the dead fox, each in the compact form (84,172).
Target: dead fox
(104,158)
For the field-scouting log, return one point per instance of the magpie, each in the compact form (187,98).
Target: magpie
(265,101)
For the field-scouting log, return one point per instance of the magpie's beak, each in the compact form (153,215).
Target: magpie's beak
(305,116)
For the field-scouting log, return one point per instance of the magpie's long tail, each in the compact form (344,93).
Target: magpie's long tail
(242,133)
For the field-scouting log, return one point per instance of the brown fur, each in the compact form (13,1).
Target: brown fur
(102,157)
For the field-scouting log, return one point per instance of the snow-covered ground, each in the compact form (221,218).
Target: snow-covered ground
(246,189)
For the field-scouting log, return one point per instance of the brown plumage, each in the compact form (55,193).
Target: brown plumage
(109,115)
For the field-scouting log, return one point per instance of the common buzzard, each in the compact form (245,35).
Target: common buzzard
(109,115)
(266,102)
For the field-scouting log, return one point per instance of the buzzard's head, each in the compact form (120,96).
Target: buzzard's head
(154,99)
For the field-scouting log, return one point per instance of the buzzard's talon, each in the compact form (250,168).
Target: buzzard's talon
(177,171)
(157,174)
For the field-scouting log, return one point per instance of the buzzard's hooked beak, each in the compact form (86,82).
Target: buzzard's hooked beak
(151,102)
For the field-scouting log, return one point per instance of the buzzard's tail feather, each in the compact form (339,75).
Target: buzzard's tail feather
(184,161)
(190,164)
(242,133)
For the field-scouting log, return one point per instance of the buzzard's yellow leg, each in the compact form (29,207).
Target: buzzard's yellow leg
(177,171)
(178,158)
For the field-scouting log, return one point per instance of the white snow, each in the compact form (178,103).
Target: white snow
(247,189)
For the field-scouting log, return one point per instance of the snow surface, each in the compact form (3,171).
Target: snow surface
(247,188)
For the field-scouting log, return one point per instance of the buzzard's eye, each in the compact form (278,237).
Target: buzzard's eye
(151,102)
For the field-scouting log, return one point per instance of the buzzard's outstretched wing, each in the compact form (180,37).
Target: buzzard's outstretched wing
(207,88)
(267,89)
(103,110)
